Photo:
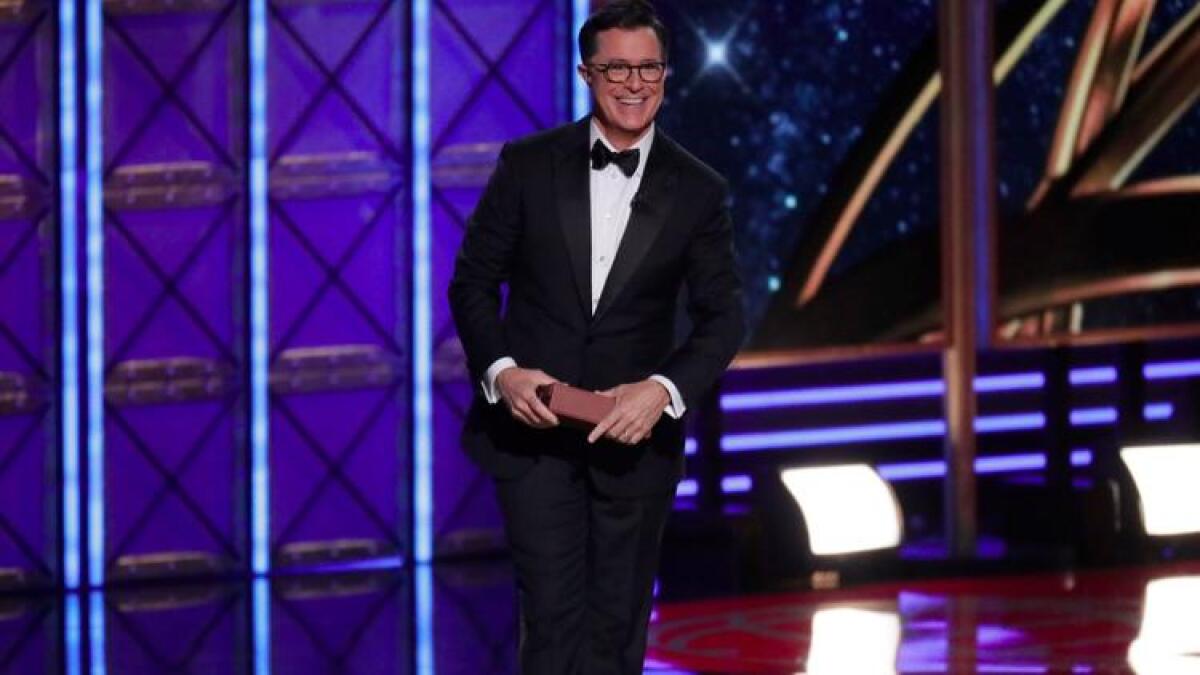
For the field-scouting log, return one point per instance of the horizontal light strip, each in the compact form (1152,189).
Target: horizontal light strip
(931,428)
(888,391)
(883,391)
(1169,370)
(1081,457)
(736,484)
(687,488)
(1096,375)
(1090,417)
(1157,412)
(983,465)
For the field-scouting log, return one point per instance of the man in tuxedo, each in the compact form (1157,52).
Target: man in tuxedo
(596,228)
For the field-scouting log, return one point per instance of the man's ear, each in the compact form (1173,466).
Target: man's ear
(584,73)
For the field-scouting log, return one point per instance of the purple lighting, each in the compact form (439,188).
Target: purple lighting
(983,465)
(884,391)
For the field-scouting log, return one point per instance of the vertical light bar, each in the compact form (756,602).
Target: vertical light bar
(93,193)
(261,611)
(73,639)
(582,96)
(68,134)
(97,634)
(259,427)
(422,311)
(422,342)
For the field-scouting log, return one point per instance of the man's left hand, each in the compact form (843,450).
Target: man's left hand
(639,405)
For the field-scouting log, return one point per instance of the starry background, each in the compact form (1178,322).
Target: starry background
(774,94)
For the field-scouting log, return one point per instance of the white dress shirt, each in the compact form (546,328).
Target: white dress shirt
(612,195)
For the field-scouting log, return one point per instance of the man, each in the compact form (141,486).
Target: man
(595,227)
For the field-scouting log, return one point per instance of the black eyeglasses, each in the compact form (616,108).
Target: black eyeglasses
(620,72)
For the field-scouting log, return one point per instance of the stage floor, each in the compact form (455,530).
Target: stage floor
(460,618)
(1144,620)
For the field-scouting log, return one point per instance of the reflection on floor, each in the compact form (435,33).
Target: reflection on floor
(1139,619)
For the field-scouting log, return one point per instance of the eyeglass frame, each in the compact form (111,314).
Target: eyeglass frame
(604,68)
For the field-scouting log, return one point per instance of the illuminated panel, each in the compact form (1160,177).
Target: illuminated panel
(847,509)
(1168,641)
(853,640)
(1166,478)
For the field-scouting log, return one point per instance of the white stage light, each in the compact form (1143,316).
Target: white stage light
(847,509)
(718,53)
(854,640)
(1169,641)
(1166,478)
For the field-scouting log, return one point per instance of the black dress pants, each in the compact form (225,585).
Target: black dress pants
(585,566)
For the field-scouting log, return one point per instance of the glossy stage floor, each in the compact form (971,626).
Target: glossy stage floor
(1144,620)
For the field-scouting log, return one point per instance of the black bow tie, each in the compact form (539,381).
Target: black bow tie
(627,160)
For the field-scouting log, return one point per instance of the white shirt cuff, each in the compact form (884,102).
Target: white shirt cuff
(490,392)
(675,408)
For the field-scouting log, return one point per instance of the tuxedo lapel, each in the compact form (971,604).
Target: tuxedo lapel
(648,215)
(572,189)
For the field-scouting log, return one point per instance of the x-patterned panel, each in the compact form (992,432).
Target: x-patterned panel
(357,623)
(28,643)
(498,74)
(29,307)
(198,629)
(340,270)
(175,255)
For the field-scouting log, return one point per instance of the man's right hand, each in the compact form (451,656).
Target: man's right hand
(518,388)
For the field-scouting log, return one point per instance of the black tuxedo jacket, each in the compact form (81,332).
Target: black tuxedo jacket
(532,231)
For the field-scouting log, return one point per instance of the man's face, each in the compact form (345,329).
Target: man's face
(625,109)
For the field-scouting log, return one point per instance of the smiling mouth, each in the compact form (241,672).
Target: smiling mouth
(631,101)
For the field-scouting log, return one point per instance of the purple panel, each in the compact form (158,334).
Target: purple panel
(497,75)
(174,282)
(28,643)
(475,625)
(28,311)
(199,629)
(345,624)
(340,280)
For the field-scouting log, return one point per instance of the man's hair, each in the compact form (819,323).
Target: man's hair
(624,14)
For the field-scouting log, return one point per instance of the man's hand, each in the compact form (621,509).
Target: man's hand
(639,405)
(518,389)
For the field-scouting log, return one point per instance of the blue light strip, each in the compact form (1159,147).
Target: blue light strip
(73,639)
(97,634)
(1090,417)
(1158,412)
(884,391)
(932,428)
(422,292)
(687,488)
(93,196)
(1081,457)
(983,465)
(1170,370)
(736,484)
(261,612)
(1081,377)
(260,477)
(423,579)
(68,132)
(582,98)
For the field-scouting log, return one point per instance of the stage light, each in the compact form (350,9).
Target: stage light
(718,53)
(847,509)
(1165,478)
(854,640)
(1168,641)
